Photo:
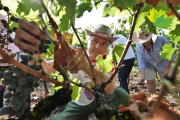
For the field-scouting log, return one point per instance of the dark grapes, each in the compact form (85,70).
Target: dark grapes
(8,74)
(6,9)
(8,95)
(5,110)
(25,57)
(1,74)
(14,29)
(40,60)
(22,81)
(19,113)
(14,101)
(24,105)
(16,70)
(17,107)
(3,21)
(37,67)
(1,7)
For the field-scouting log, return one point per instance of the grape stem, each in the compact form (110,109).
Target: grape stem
(7,58)
(173,10)
(91,66)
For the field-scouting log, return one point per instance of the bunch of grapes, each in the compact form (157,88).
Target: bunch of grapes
(20,85)
(44,43)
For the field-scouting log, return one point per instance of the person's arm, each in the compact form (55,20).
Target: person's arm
(167,68)
(169,62)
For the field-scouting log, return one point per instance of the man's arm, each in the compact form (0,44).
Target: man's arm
(167,68)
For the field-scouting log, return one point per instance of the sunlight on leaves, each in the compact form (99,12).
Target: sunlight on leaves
(167,51)
(75,94)
(105,64)
(159,19)
(117,52)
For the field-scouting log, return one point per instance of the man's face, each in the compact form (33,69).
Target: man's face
(96,46)
(147,42)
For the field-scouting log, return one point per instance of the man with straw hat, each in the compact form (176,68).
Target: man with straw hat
(148,57)
(98,41)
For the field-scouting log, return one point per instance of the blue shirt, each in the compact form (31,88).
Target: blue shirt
(152,60)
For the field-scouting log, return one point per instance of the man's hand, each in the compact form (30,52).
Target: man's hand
(141,81)
(166,72)
(33,28)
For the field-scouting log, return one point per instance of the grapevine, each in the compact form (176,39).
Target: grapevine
(21,80)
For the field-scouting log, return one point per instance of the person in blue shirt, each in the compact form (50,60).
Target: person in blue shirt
(148,57)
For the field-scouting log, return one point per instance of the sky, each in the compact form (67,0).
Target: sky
(94,17)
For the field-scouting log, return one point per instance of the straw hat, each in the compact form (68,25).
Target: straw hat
(142,36)
(102,31)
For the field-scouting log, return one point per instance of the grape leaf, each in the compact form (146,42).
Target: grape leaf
(83,7)
(26,5)
(163,22)
(69,17)
(114,11)
(142,15)
(117,52)
(175,34)
(75,94)
(106,64)
(173,23)
(168,50)
(106,10)
(154,15)
(125,3)
(61,2)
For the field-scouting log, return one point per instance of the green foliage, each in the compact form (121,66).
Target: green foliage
(69,16)
(117,52)
(159,19)
(167,51)
(175,34)
(125,3)
(26,5)
(75,94)
(84,7)
(105,64)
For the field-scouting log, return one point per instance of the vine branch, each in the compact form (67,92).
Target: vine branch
(7,58)
(127,46)
(91,66)
(173,10)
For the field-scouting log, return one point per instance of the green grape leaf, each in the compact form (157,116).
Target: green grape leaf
(75,94)
(69,17)
(168,50)
(154,15)
(175,34)
(173,23)
(61,2)
(163,22)
(106,10)
(83,7)
(114,11)
(130,19)
(106,65)
(117,52)
(26,5)
(142,15)
(125,3)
